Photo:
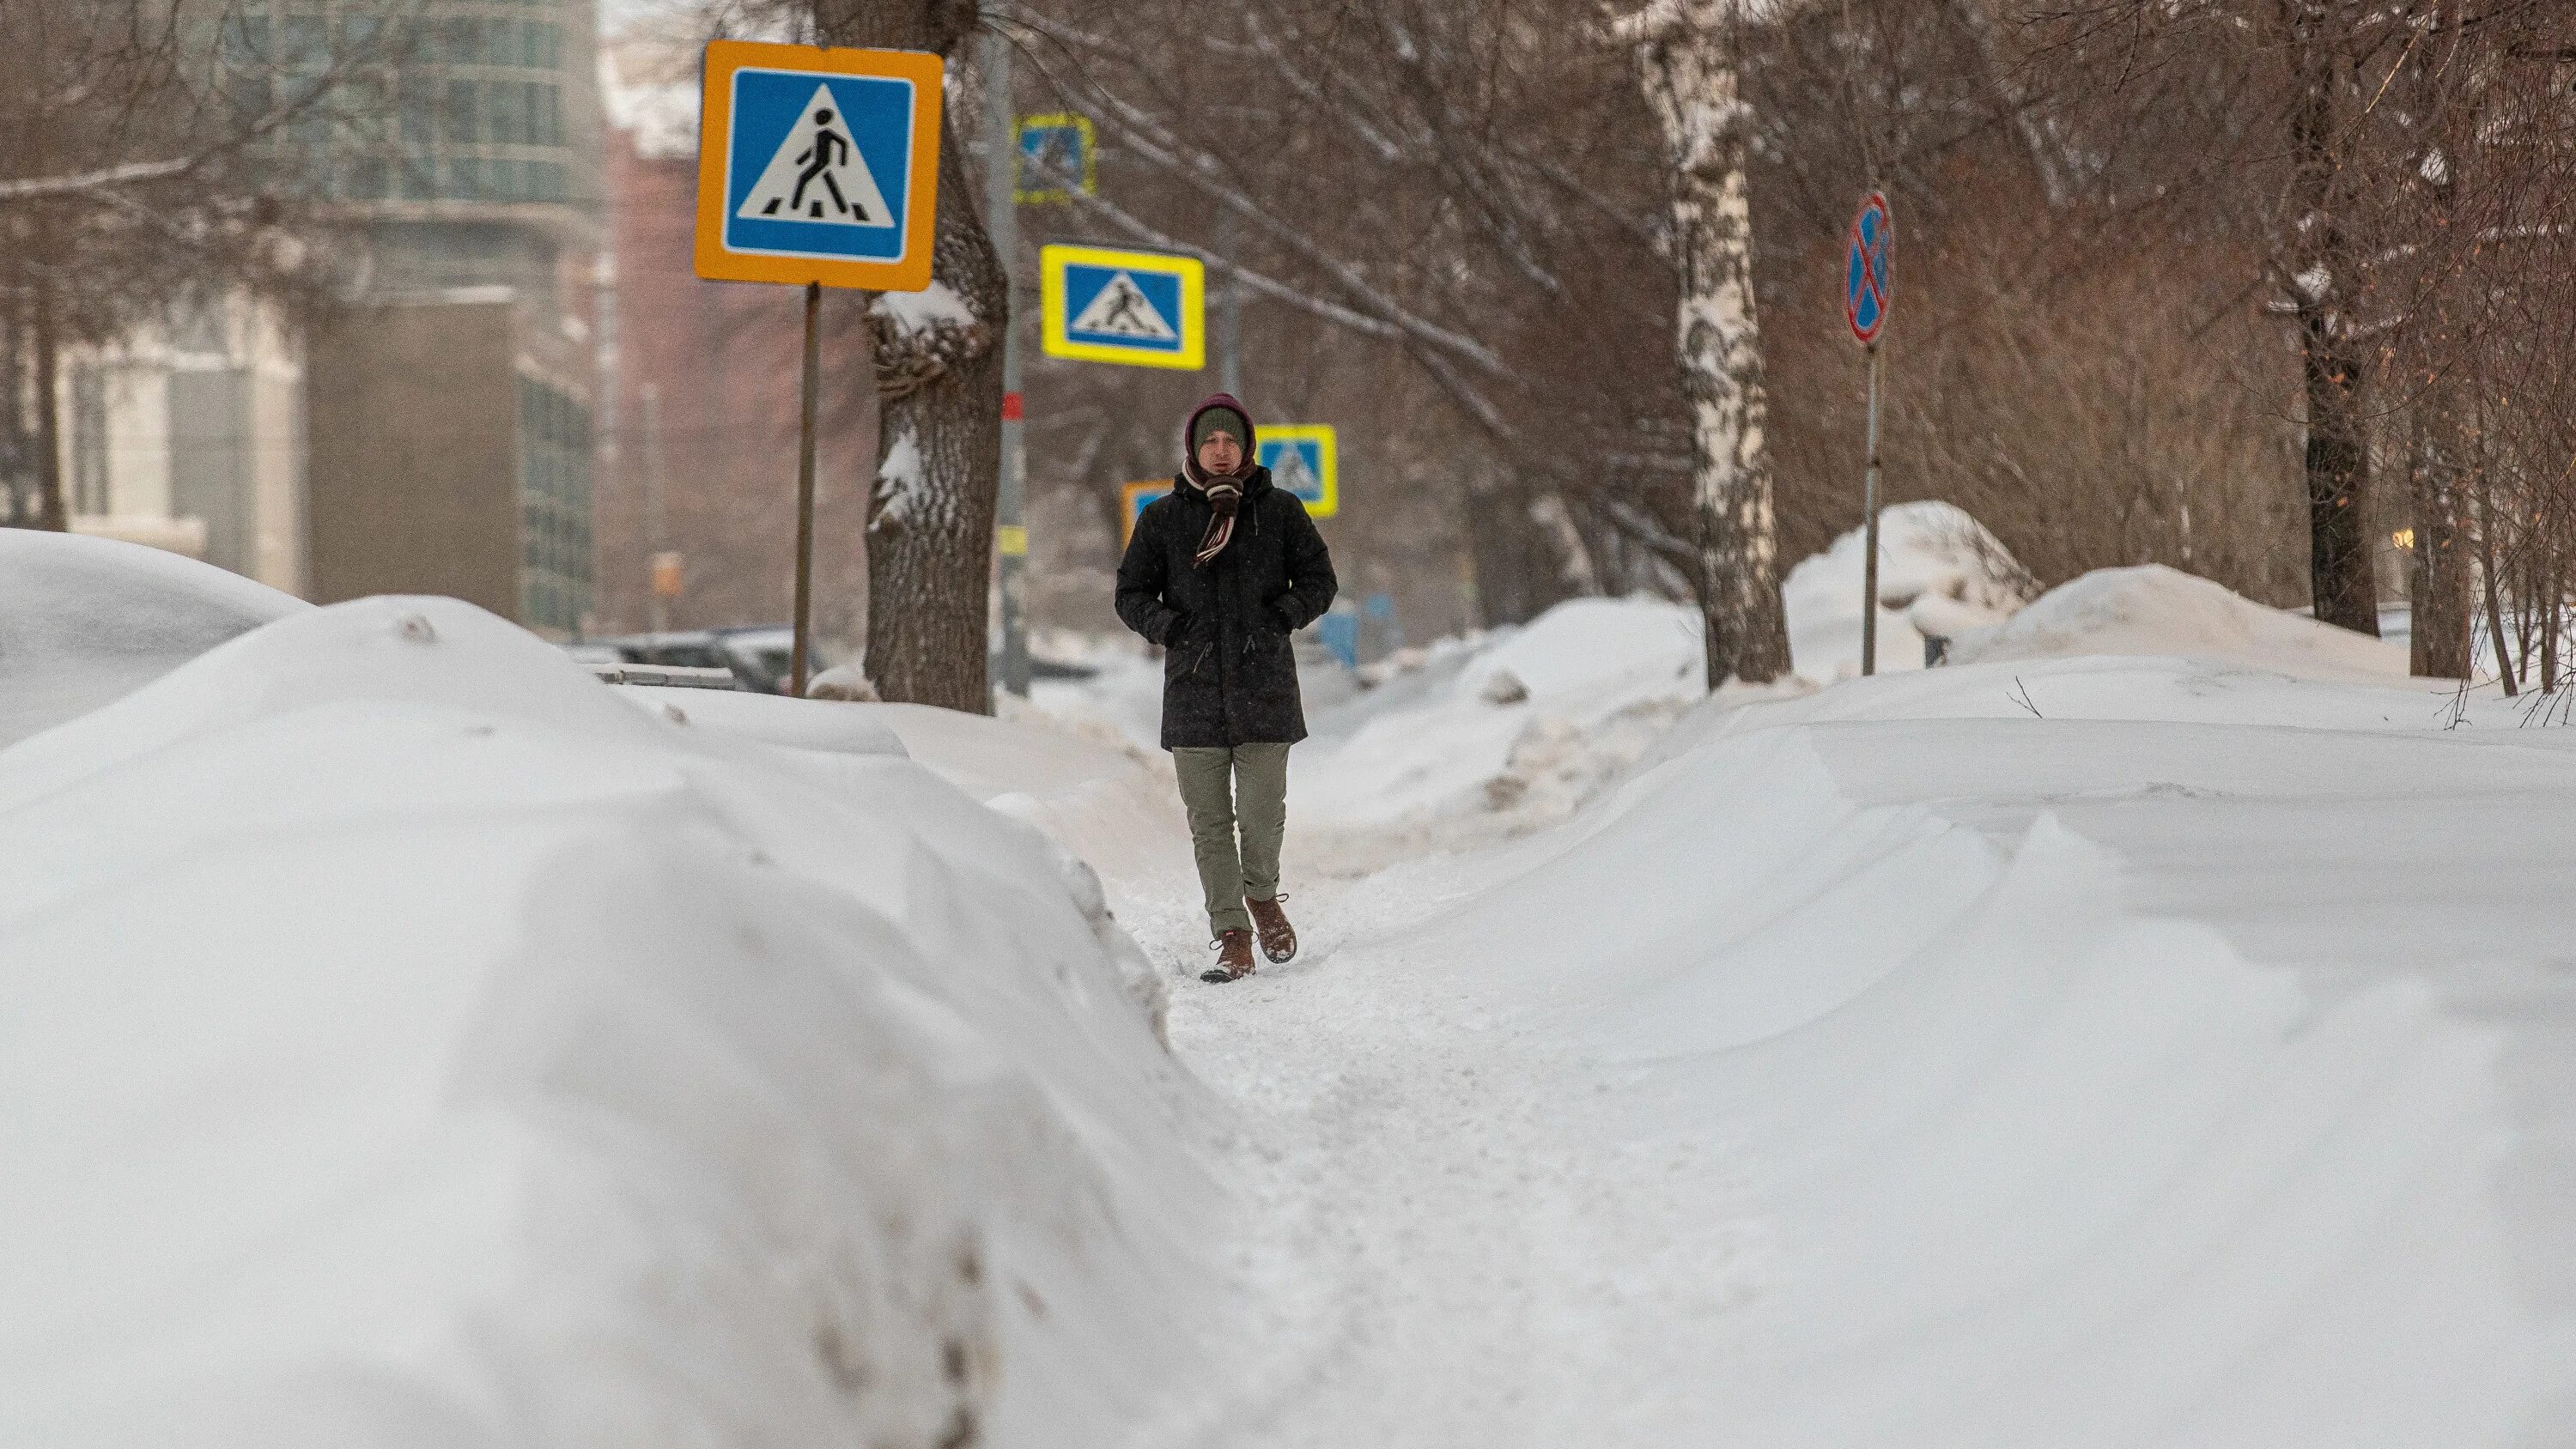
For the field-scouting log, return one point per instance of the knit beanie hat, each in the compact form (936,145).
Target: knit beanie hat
(1218,419)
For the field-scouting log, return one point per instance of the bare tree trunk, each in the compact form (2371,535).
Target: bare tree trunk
(2483,495)
(2048,162)
(939,448)
(2546,601)
(939,413)
(1684,52)
(2338,451)
(50,512)
(1520,571)
(2438,572)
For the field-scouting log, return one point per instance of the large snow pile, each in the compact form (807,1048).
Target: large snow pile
(1524,720)
(1939,572)
(84,620)
(2185,1061)
(2152,609)
(404,1040)
(1111,801)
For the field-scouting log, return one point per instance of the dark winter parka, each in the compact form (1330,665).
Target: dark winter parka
(1229,673)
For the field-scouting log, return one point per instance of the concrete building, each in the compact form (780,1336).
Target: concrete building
(188,435)
(455,463)
(449,412)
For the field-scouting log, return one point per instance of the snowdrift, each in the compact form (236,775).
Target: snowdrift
(405,1040)
(84,620)
(2152,609)
(1939,572)
(1525,722)
(2190,1067)
(1114,804)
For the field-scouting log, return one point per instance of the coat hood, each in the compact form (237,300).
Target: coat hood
(1189,426)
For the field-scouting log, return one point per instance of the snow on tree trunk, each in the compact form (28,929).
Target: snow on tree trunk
(930,516)
(1684,54)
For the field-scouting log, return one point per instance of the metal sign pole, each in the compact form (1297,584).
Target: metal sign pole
(1229,317)
(1001,218)
(1865,299)
(1869,532)
(803,654)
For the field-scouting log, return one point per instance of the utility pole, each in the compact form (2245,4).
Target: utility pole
(1001,219)
(656,534)
(1229,317)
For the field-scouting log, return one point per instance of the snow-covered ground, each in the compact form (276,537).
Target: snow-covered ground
(407,1040)
(2110,1044)
(2161,1034)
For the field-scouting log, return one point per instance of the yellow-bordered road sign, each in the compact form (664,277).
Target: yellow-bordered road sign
(1132,501)
(1304,459)
(1053,148)
(818,165)
(1144,309)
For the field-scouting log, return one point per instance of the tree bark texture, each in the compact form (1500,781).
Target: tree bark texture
(939,413)
(1685,54)
(2338,450)
(2487,565)
(2438,572)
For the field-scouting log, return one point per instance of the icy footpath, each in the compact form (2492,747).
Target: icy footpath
(405,1040)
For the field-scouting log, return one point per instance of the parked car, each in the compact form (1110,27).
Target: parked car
(757,654)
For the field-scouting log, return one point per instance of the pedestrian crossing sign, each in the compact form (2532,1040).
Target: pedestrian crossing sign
(1144,309)
(1056,152)
(818,165)
(1136,497)
(1303,459)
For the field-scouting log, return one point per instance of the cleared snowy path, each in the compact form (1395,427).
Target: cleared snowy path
(1459,1245)
(2188,1067)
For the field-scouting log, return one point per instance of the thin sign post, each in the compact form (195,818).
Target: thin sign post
(1866,296)
(1001,217)
(816,168)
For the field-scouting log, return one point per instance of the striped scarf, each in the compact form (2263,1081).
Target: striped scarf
(1224,495)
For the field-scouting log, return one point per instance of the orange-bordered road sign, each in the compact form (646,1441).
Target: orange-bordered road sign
(818,165)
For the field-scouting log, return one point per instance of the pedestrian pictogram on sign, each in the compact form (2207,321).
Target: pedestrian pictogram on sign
(1056,154)
(818,175)
(1304,459)
(818,165)
(1865,280)
(1122,310)
(1145,309)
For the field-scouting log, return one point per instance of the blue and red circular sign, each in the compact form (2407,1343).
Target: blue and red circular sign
(1865,290)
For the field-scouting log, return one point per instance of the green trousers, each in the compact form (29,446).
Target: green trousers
(1221,788)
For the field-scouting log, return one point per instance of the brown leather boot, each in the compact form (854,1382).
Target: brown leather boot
(1278,938)
(1234,957)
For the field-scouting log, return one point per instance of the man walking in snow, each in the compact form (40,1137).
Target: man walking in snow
(1220,572)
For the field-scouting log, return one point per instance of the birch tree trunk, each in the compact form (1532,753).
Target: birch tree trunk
(938,368)
(1684,52)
